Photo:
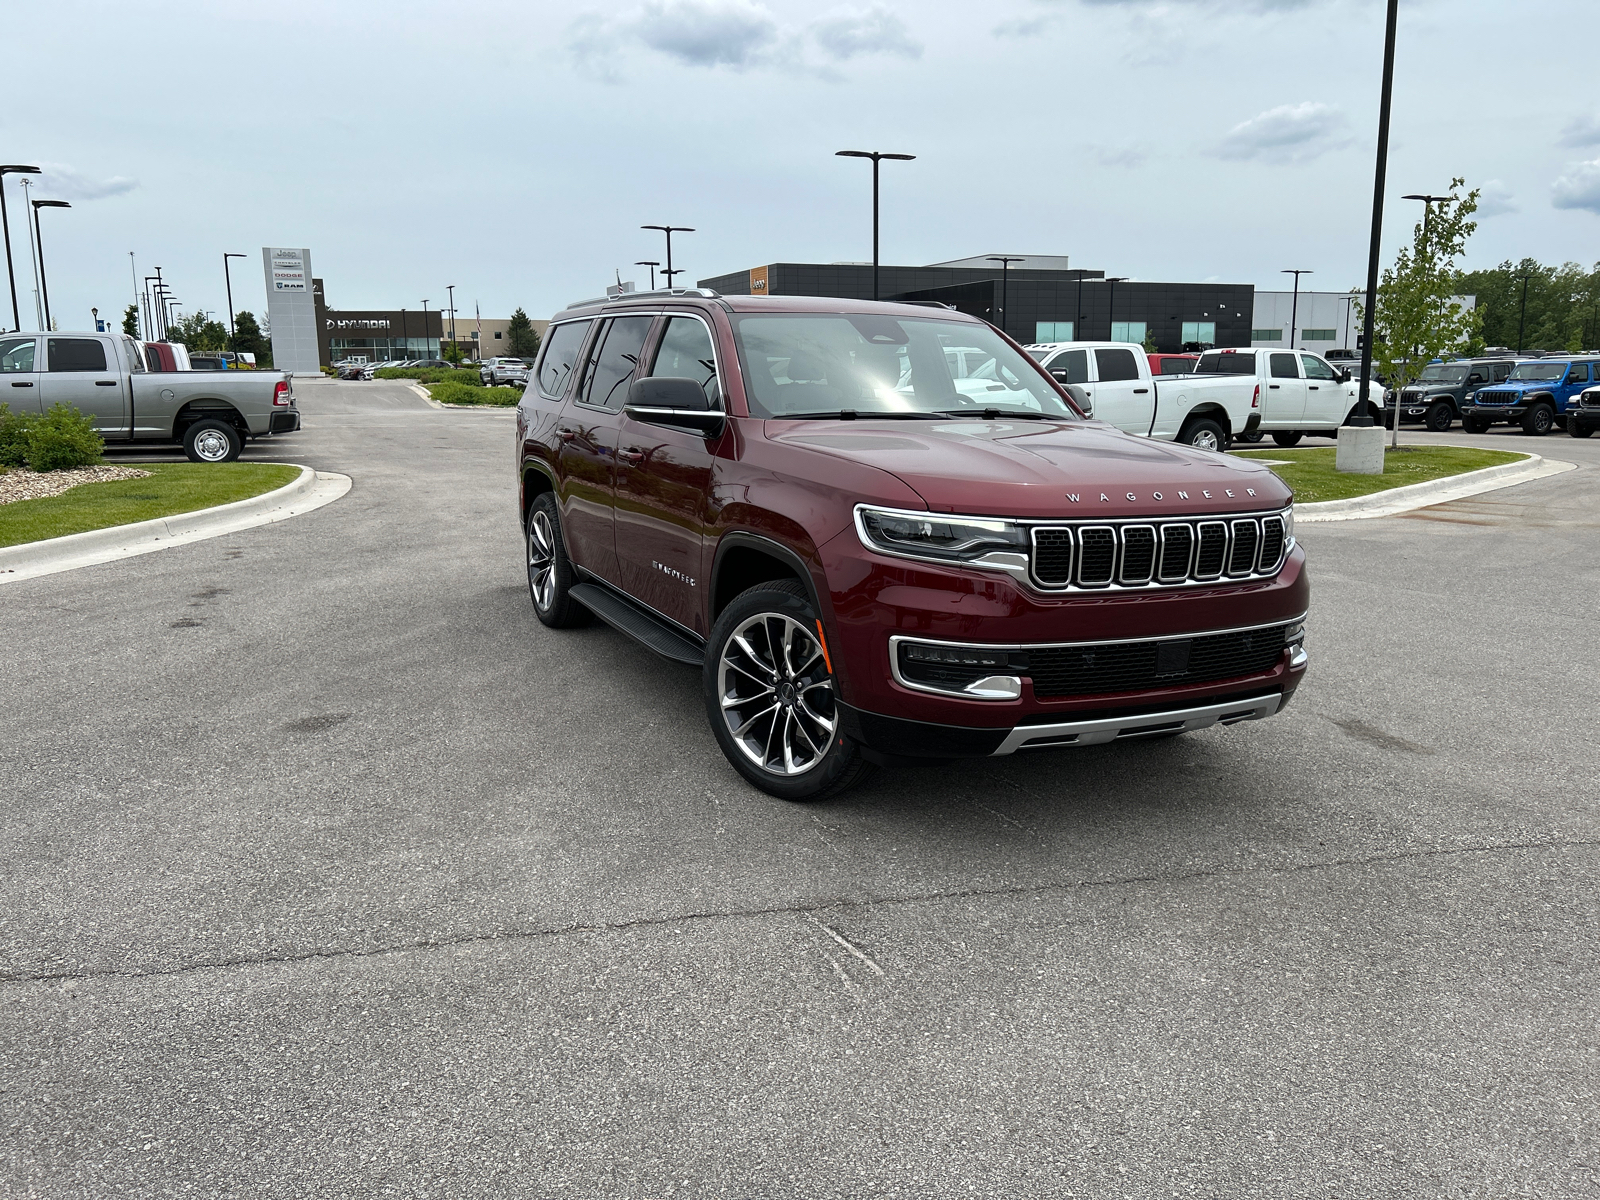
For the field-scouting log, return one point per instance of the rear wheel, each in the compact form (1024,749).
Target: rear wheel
(1475,424)
(550,573)
(1204,434)
(1538,420)
(770,697)
(1287,440)
(212,441)
(1252,436)
(1440,417)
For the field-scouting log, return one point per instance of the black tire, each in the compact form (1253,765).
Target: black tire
(212,441)
(1538,420)
(1476,424)
(1287,440)
(792,747)
(1576,429)
(550,573)
(1440,417)
(1252,437)
(1204,434)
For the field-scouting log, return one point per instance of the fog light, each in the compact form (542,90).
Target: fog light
(1294,634)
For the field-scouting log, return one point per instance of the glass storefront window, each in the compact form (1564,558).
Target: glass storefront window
(1127,331)
(1200,331)
(1044,331)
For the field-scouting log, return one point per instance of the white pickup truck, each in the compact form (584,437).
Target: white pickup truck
(1232,394)
(105,377)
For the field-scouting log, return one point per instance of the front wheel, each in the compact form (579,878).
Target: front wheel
(1204,434)
(769,693)
(1440,417)
(1538,420)
(1475,424)
(1287,440)
(1575,428)
(212,441)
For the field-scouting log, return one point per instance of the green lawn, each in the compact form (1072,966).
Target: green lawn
(171,488)
(1312,476)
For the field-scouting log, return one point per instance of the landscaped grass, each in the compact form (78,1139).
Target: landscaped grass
(1312,476)
(171,488)
(461,392)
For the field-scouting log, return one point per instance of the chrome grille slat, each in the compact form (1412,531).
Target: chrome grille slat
(1157,554)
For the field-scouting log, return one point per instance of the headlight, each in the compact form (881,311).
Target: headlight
(1288,524)
(929,535)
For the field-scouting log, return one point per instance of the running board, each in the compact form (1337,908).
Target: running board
(626,618)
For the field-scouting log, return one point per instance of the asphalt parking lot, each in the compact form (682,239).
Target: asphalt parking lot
(329,871)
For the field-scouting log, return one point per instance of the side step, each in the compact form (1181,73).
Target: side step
(638,624)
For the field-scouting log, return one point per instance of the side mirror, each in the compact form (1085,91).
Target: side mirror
(1342,375)
(1081,398)
(675,403)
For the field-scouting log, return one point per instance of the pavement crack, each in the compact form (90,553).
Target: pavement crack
(808,909)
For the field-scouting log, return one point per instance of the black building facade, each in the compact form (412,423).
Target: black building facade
(1030,305)
(378,335)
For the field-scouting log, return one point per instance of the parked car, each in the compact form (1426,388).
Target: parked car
(1172,364)
(1435,399)
(1584,416)
(206,362)
(354,370)
(1302,394)
(877,551)
(1113,380)
(105,376)
(497,372)
(1535,395)
(164,356)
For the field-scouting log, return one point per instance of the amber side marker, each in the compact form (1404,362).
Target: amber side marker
(823,642)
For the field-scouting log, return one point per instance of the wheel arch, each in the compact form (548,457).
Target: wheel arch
(746,559)
(536,480)
(1211,411)
(208,410)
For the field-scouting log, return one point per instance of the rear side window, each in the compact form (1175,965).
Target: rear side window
(1502,371)
(1071,366)
(686,353)
(560,357)
(1229,362)
(1115,365)
(77,354)
(16,354)
(1283,367)
(612,364)
(1580,373)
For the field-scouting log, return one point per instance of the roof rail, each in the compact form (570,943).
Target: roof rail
(703,293)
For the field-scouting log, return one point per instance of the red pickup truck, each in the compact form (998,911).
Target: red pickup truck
(885,535)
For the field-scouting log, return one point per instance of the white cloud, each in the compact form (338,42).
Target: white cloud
(1578,188)
(706,33)
(1495,199)
(58,181)
(1581,131)
(1290,133)
(846,33)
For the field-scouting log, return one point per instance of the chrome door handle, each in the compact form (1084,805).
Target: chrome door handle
(566,435)
(631,455)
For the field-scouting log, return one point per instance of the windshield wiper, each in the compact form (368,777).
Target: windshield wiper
(850,414)
(995,414)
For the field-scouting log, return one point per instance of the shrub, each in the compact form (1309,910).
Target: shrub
(456,393)
(429,374)
(14,436)
(63,438)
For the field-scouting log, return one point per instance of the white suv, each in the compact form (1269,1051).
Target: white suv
(496,372)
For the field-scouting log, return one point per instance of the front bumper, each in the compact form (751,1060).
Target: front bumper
(1494,412)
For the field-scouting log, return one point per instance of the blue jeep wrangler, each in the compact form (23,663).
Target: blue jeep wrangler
(1536,395)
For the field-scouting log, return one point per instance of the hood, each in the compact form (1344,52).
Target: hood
(1042,469)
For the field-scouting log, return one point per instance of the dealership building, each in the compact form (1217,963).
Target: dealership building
(379,335)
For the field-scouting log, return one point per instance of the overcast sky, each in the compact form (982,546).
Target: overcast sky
(513,149)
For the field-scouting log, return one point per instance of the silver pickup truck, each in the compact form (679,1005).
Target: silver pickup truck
(104,376)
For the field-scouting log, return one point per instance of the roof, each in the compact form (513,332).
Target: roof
(652,301)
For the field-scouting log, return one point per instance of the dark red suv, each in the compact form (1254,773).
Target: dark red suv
(884,535)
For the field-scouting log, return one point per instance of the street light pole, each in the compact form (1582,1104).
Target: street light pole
(425,329)
(233,335)
(160,307)
(1522,321)
(5,223)
(1005,262)
(1111,305)
(669,230)
(876,156)
(1375,248)
(451,288)
(30,218)
(645,262)
(1294,304)
(44,282)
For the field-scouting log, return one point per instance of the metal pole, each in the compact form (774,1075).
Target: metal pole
(451,288)
(1294,305)
(405,335)
(1369,314)
(161,324)
(44,280)
(1077,316)
(134,267)
(32,219)
(1522,321)
(1005,261)
(425,330)
(233,334)
(645,262)
(11,274)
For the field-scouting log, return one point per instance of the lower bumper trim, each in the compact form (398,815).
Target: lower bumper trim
(1109,729)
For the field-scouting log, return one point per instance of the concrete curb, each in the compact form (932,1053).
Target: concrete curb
(1434,491)
(425,394)
(307,492)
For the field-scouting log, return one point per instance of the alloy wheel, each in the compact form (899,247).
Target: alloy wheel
(541,561)
(777,695)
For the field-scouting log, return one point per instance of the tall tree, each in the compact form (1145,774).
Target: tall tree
(522,340)
(130,320)
(199,333)
(1529,306)
(246,333)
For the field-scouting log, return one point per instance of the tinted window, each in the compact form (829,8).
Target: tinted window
(1176,366)
(560,356)
(1501,372)
(1283,366)
(1580,373)
(611,366)
(77,354)
(1315,367)
(135,359)
(1115,365)
(1229,362)
(16,354)
(686,353)
(1074,364)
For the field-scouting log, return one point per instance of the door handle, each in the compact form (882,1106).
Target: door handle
(632,454)
(566,435)
(20,383)
(1311,387)
(105,383)
(1274,386)
(1140,391)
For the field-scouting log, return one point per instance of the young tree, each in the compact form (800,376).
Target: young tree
(130,320)
(522,341)
(1416,321)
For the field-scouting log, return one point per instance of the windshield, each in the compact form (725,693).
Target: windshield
(823,365)
(1442,373)
(1539,370)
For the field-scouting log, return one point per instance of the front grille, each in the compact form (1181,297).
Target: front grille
(1491,396)
(1590,399)
(1410,396)
(1165,554)
(1110,667)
